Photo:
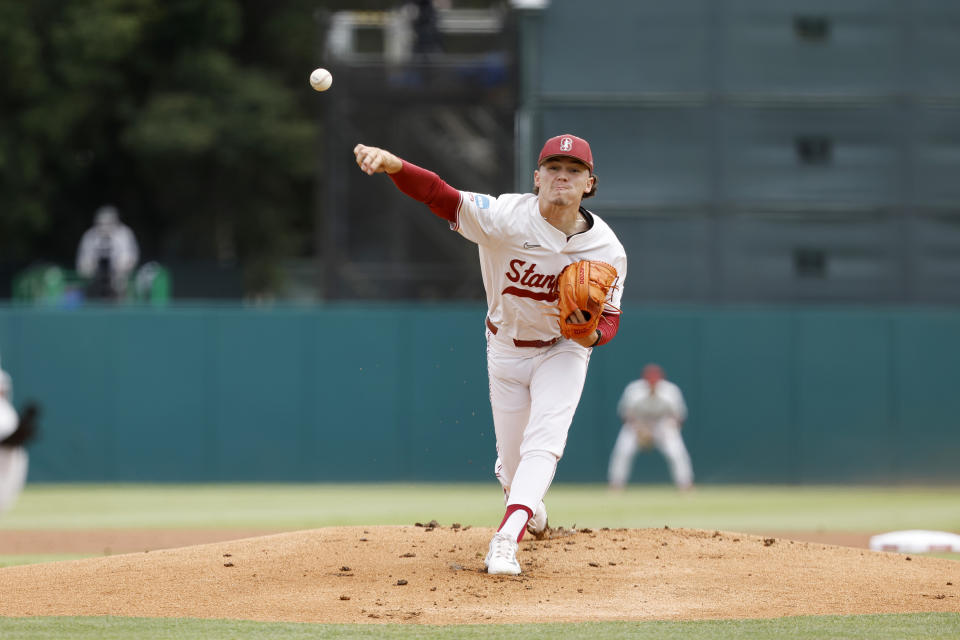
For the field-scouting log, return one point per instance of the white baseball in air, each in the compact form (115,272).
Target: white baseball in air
(321,79)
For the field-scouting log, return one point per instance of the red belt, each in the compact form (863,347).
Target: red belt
(524,343)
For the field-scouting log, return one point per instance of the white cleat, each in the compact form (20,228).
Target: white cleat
(537,525)
(502,557)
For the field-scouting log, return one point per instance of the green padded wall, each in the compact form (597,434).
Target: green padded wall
(399,392)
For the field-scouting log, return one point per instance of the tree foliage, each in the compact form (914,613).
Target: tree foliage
(192,116)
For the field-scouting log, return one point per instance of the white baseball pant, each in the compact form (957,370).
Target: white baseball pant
(534,393)
(666,438)
(13,475)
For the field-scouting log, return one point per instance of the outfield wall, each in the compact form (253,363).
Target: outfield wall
(382,393)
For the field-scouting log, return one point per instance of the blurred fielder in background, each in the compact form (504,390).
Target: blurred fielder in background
(536,376)
(652,411)
(15,432)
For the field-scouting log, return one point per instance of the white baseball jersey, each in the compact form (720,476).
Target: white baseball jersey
(8,418)
(521,255)
(13,460)
(637,404)
(8,415)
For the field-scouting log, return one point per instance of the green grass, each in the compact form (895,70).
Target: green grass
(34,558)
(876,627)
(298,506)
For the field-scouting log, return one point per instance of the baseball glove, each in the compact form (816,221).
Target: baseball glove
(583,286)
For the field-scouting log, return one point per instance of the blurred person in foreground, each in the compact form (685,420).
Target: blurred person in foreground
(16,431)
(652,411)
(107,255)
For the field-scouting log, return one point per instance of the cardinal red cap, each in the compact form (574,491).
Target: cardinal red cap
(567,145)
(652,373)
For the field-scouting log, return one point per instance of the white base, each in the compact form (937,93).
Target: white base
(916,541)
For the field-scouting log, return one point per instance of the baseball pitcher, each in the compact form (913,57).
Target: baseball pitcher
(553,274)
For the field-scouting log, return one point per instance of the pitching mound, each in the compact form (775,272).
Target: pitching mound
(435,575)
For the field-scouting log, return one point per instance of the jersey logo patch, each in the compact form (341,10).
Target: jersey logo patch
(530,245)
(483,202)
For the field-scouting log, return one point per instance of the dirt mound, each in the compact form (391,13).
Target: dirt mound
(435,575)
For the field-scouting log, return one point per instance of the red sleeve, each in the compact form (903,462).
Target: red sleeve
(608,326)
(428,188)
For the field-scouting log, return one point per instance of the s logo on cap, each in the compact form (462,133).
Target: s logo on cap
(567,144)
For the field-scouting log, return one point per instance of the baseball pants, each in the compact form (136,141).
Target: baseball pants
(13,475)
(666,438)
(534,393)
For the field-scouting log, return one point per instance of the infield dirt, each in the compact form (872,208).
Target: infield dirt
(435,575)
